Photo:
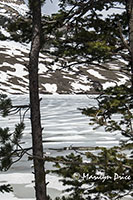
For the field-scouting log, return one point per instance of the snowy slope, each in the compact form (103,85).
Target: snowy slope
(12,8)
(53,78)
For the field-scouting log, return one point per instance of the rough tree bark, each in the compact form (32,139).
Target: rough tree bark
(129,7)
(40,185)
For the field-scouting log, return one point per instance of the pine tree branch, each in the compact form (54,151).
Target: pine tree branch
(121,196)
(21,154)
(13,162)
(60,161)
(21,106)
(122,38)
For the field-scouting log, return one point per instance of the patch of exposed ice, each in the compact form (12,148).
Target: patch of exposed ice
(70,137)
(10,196)
(17,178)
(107,142)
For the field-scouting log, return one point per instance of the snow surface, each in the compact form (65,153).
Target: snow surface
(78,77)
(19,72)
(4,32)
(42,68)
(52,88)
(14,46)
(22,9)
(14,74)
(25,180)
(123,79)
(77,87)
(83,79)
(108,84)
(3,76)
(96,74)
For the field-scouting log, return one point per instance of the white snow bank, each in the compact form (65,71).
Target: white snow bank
(19,71)
(52,88)
(22,9)
(108,84)
(96,74)
(4,32)
(17,178)
(42,68)
(79,87)
(23,181)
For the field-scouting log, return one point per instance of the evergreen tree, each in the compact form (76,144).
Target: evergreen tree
(87,38)
(40,184)
(8,140)
(83,34)
(10,148)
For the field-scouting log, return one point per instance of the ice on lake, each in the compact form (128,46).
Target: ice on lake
(64,126)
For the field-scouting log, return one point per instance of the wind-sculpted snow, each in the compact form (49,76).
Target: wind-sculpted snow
(13,8)
(53,78)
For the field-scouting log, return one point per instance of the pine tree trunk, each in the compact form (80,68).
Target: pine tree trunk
(129,4)
(40,186)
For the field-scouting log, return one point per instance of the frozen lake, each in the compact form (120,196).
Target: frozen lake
(63,123)
(64,126)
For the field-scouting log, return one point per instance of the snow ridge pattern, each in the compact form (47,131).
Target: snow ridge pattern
(53,78)
(12,8)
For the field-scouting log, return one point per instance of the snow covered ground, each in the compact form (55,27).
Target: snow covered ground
(53,78)
(24,187)
(64,124)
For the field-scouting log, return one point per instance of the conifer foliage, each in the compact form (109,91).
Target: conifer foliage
(79,33)
(10,148)
(88,31)
(89,38)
